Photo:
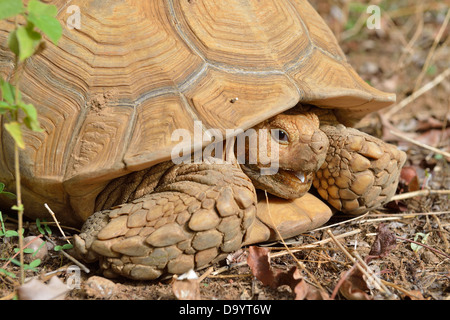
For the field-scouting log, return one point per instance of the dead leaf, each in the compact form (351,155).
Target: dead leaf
(433,137)
(305,291)
(354,287)
(259,262)
(408,177)
(38,290)
(384,243)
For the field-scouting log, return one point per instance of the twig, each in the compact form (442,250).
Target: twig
(302,266)
(425,246)
(430,85)
(424,192)
(441,231)
(68,256)
(56,221)
(432,49)
(409,214)
(420,144)
(205,274)
(25,246)
(317,243)
(341,281)
(399,216)
(366,272)
(381,219)
(399,288)
(408,49)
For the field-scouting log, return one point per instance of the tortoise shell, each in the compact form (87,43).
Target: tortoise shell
(112,92)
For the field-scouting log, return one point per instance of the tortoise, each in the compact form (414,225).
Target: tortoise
(113,92)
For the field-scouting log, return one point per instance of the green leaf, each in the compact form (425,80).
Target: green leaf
(10,8)
(26,250)
(6,193)
(63,247)
(18,208)
(415,247)
(2,232)
(38,225)
(13,43)
(44,223)
(23,41)
(47,228)
(9,274)
(15,131)
(11,233)
(38,249)
(6,107)
(8,91)
(30,119)
(67,246)
(15,261)
(35,263)
(43,17)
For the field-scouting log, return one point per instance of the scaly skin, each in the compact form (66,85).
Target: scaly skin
(172,218)
(360,172)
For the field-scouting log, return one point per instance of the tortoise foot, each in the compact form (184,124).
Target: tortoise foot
(197,216)
(360,172)
(287,218)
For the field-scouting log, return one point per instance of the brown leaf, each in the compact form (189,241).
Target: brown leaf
(408,177)
(354,287)
(305,291)
(259,262)
(383,244)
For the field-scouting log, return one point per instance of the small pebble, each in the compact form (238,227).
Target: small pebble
(41,254)
(99,287)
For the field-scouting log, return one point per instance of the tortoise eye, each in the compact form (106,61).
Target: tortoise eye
(279,135)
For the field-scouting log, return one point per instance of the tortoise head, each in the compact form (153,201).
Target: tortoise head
(296,147)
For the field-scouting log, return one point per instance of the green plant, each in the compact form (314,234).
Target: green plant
(6,193)
(24,41)
(12,233)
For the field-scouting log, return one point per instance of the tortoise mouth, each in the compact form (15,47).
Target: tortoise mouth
(299,182)
(301,177)
(286,183)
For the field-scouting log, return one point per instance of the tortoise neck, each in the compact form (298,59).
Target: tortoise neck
(131,186)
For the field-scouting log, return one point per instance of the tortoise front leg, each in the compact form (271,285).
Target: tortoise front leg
(197,214)
(360,172)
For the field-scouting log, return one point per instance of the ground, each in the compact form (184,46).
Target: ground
(408,54)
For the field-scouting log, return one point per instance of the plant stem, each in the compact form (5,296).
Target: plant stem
(20,210)
(17,176)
